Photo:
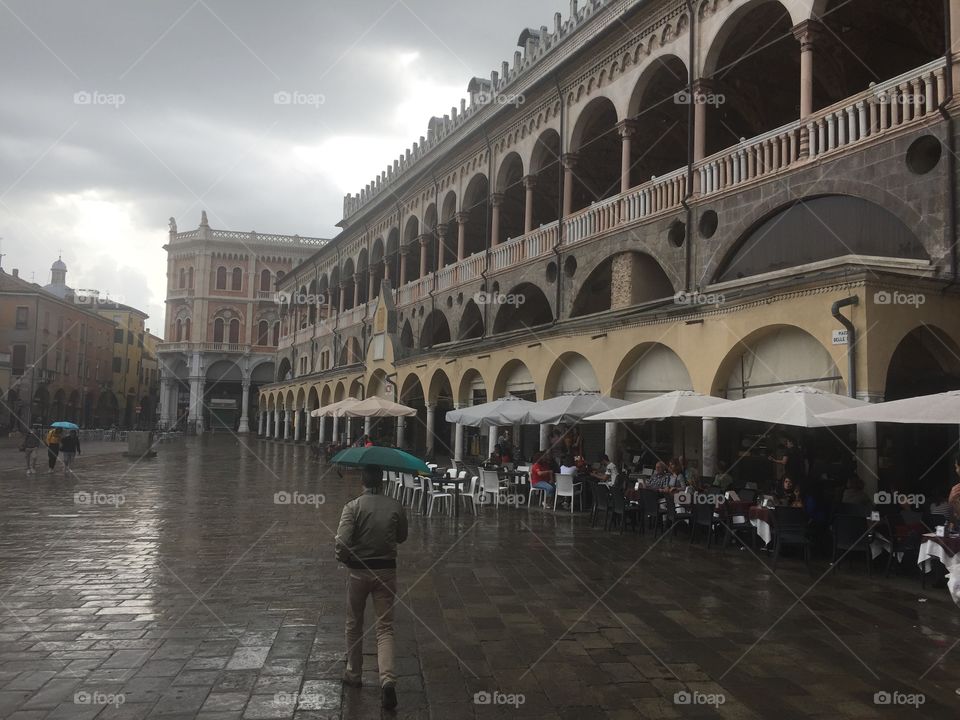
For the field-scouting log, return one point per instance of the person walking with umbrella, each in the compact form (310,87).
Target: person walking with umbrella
(69,449)
(371,527)
(53,447)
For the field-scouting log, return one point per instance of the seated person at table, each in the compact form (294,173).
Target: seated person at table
(568,466)
(689,474)
(788,494)
(492,462)
(608,472)
(662,480)
(855,495)
(541,476)
(723,480)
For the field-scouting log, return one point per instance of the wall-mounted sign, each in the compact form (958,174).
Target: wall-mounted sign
(840,337)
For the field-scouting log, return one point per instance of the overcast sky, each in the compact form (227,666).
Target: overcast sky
(116,115)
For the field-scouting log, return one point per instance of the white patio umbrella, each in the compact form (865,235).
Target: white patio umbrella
(330,410)
(668,405)
(375,407)
(940,409)
(571,408)
(508,410)
(799,405)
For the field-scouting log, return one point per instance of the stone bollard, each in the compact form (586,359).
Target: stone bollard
(140,445)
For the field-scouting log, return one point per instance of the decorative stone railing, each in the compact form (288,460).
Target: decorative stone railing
(535,244)
(203,347)
(180,292)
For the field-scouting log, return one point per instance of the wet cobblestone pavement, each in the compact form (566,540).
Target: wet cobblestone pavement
(177,588)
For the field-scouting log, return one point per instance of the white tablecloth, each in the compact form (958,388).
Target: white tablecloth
(763,530)
(932,549)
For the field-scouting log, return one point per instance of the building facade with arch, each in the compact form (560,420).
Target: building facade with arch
(222,322)
(649,199)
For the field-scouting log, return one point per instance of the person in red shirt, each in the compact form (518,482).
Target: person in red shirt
(541,475)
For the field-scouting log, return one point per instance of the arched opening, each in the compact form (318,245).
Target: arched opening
(817,229)
(596,144)
(441,402)
(436,330)
(234,331)
(869,41)
(183,278)
(546,171)
(221,282)
(311,300)
(362,280)
(411,243)
(515,379)
(622,280)
(222,396)
(415,428)
(378,266)
(275,340)
(179,330)
(347,285)
(284,370)
(524,307)
(406,336)
(754,65)
(474,215)
(393,257)
(659,143)
(190,278)
(473,391)
(471,322)
(265,280)
(511,196)
(236,282)
(218,330)
(913,457)
(573,373)
(335,290)
(187,323)
(448,231)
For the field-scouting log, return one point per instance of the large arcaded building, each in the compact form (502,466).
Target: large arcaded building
(743,197)
(222,325)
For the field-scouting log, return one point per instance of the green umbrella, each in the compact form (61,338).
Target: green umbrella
(383,457)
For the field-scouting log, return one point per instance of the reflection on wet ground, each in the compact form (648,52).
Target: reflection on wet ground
(179,587)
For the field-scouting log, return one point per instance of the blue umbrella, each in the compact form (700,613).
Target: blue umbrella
(65,425)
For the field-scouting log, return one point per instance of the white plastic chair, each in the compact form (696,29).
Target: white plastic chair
(469,491)
(490,483)
(543,493)
(566,487)
(408,489)
(433,495)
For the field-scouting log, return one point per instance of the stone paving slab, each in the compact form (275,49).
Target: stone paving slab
(199,597)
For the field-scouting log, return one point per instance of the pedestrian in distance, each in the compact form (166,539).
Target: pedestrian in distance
(30,447)
(69,449)
(371,527)
(53,447)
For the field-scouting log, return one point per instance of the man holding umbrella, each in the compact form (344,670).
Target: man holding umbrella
(371,527)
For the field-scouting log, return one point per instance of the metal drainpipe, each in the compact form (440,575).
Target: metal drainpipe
(560,190)
(851,341)
(691,117)
(951,146)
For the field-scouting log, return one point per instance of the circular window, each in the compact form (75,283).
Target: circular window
(551,272)
(677,233)
(570,266)
(924,154)
(708,224)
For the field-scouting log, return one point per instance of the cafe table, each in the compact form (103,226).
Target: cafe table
(762,519)
(947,550)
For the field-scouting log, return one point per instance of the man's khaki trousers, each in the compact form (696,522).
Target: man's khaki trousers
(382,584)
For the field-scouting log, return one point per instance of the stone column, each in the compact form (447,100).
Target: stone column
(491,440)
(807,33)
(278,424)
(708,457)
(343,301)
(336,428)
(366,426)
(401,426)
(424,260)
(496,201)
(323,429)
(867,457)
(263,423)
(403,265)
(610,440)
(196,403)
(701,87)
(569,167)
(627,129)
(288,420)
(244,425)
(356,289)
(370,284)
(349,430)
(164,401)
(529,183)
(430,426)
(461,218)
(442,232)
(544,436)
(309,432)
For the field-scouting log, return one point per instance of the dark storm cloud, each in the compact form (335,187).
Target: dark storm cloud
(117,114)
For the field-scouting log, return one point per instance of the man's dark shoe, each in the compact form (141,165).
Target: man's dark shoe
(350,682)
(389,697)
